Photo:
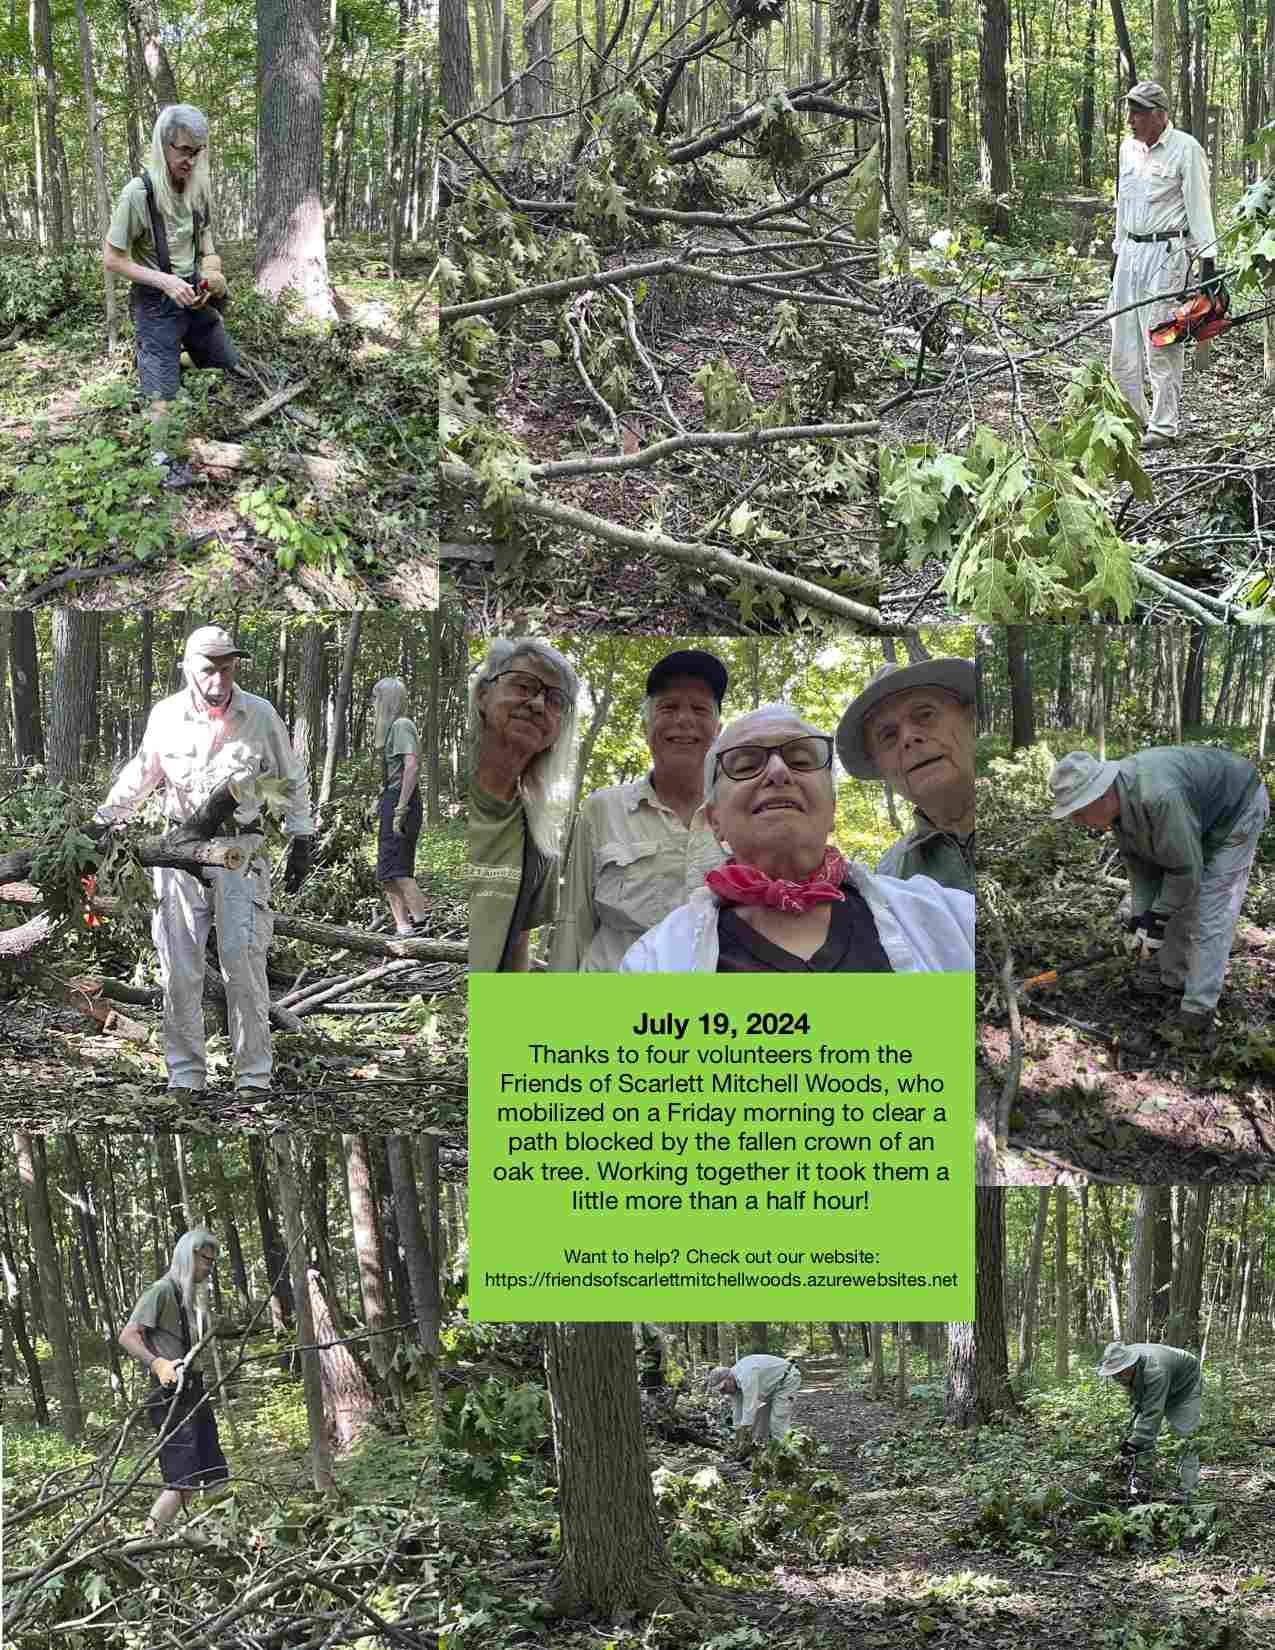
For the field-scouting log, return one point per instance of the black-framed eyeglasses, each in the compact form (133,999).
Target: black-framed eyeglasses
(528,687)
(185,150)
(805,754)
(204,1255)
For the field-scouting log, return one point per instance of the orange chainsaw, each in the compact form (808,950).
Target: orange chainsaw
(1206,315)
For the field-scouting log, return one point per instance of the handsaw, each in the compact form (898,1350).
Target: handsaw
(1050,976)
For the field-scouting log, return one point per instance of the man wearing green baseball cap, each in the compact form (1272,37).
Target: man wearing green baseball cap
(1187,819)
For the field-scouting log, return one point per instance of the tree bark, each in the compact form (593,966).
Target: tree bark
(978,1366)
(418,1258)
(348,1398)
(613,1559)
(24,671)
(291,250)
(1031,1286)
(367,1246)
(33,1177)
(1140,1263)
(1020,686)
(342,706)
(75,643)
(273,1253)
(1062,1284)
(321,1471)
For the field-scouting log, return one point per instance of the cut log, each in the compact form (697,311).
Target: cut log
(18,943)
(323,473)
(310,1003)
(376,945)
(264,408)
(106,1018)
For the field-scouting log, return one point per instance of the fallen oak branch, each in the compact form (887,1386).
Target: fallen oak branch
(226,455)
(679,550)
(80,575)
(564,468)
(231,853)
(272,404)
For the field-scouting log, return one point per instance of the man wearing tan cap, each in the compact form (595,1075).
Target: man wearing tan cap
(912,727)
(196,740)
(1187,819)
(1163,220)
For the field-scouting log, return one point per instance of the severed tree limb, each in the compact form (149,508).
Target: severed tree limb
(71,994)
(226,455)
(264,408)
(1204,609)
(704,556)
(232,853)
(377,945)
(564,469)
(338,988)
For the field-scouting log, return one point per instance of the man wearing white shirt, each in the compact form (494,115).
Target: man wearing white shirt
(1163,218)
(761,1389)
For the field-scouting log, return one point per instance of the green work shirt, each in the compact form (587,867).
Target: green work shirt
(401,741)
(497,832)
(926,851)
(130,230)
(157,1311)
(1164,1377)
(1177,806)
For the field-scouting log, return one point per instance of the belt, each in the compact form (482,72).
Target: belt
(1167,235)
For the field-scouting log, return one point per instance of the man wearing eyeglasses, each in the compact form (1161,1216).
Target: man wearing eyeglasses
(640,849)
(913,728)
(163,1333)
(171,309)
(522,721)
(787,900)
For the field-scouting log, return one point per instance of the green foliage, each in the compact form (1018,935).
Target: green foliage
(294,532)
(485,1431)
(728,401)
(1025,530)
(35,286)
(785,334)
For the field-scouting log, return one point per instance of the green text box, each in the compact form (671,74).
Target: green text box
(814,1133)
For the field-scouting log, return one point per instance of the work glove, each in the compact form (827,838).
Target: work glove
(298,863)
(1145,935)
(165,1371)
(400,820)
(215,284)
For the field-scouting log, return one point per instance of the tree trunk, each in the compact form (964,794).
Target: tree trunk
(291,250)
(1112,1263)
(433,728)
(33,1176)
(342,706)
(348,1398)
(46,125)
(159,71)
(421,1263)
(1031,1286)
(24,671)
(75,640)
(1141,1269)
(1099,690)
(938,75)
(1062,1325)
(613,1559)
(273,1253)
(1161,1268)
(367,1247)
(897,72)
(307,728)
(978,1367)
(86,1215)
(321,1471)
(993,146)
(99,165)
(1020,687)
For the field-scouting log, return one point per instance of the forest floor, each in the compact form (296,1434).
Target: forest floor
(809,508)
(1210,521)
(888,1530)
(1109,1088)
(370,1535)
(77,492)
(381,1073)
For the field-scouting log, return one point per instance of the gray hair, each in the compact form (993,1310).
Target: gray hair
(389,696)
(713,1380)
(175,117)
(182,1269)
(777,712)
(545,783)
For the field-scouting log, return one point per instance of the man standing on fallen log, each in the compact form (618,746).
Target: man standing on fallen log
(209,733)
(1163,218)
(172,311)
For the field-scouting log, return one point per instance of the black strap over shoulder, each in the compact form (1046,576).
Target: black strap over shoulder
(147,1332)
(534,865)
(159,234)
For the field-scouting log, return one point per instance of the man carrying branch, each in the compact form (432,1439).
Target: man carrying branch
(1163,218)
(159,238)
(199,739)
(158,1335)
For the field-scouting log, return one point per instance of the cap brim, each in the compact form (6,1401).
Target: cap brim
(955,675)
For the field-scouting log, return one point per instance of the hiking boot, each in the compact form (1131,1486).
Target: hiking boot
(1195,1029)
(185,1094)
(1156,438)
(1147,981)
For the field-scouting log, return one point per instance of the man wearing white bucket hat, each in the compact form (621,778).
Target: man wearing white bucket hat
(195,741)
(1164,1384)
(912,727)
(1187,819)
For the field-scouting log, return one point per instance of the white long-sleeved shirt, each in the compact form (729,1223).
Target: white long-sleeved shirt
(1165,185)
(195,752)
(759,1375)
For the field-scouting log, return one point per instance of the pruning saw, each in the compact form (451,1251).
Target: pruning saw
(1051,975)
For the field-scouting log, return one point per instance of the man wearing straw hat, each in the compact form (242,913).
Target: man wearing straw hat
(912,727)
(1164,1384)
(1187,819)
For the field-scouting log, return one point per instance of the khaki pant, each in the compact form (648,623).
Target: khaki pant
(774,1413)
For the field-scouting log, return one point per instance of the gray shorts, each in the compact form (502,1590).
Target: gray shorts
(164,329)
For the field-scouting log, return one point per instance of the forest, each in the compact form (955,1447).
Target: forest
(819,677)
(658,253)
(1014,483)
(366,1024)
(942,1484)
(1074,1075)
(314,463)
(318,1336)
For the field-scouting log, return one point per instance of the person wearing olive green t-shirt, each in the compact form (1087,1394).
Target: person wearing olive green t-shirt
(522,722)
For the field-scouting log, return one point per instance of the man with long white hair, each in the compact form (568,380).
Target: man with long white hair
(522,724)
(176,280)
(399,810)
(196,740)
(162,1333)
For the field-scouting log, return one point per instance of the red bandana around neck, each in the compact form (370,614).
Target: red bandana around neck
(738,884)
